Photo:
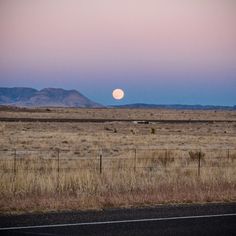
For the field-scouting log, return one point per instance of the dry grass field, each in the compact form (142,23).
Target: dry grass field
(142,164)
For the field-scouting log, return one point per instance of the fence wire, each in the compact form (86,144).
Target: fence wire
(114,159)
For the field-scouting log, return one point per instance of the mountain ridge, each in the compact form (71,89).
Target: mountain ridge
(47,97)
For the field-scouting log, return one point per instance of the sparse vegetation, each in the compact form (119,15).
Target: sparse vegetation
(132,131)
(195,155)
(159,173)
(34,182)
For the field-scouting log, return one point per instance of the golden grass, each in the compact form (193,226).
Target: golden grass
(33,182)
(150,177)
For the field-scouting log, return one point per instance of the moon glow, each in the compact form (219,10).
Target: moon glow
(118,94)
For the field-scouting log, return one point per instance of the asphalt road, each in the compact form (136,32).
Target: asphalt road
(94,120)
(206,219)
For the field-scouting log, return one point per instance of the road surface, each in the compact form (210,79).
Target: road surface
(100,120)
(206,219)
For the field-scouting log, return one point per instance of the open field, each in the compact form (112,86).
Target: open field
(113,113)
(142,163)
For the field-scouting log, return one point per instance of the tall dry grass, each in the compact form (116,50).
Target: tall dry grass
(38,181)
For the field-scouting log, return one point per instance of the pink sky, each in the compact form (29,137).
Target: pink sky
(110,36)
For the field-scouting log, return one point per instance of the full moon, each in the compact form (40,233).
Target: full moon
(118,94)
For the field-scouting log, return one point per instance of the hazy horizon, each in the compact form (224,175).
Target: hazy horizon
(134,103)
(158,52)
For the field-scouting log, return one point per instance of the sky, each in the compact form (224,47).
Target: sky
(157,51)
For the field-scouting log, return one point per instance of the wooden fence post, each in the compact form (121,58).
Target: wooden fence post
(14,164)
(135,159)
(58,169)
(199,163)
(14,171)
(100,163)
(166,158)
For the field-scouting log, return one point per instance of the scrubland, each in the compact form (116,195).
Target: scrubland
(113,113)
(142,164)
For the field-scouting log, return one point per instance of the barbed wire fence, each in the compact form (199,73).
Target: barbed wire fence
(115,159)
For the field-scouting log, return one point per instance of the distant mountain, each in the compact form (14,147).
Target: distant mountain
(12,95)
(48,97)
(176,106)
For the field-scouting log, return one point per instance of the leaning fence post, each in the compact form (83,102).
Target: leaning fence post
(58,168)
(14,164)
(199,162)
(100,162)
(135,159)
